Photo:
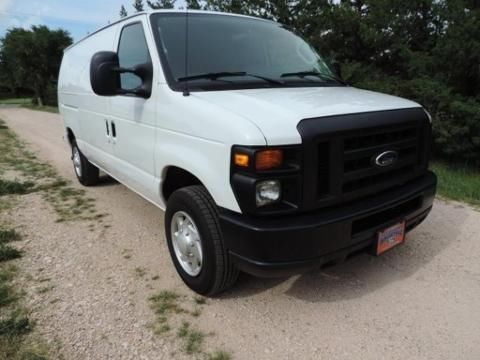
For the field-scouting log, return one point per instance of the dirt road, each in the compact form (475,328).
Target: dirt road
(419,301)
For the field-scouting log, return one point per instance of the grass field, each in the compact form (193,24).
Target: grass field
(19,101)
(458,183)
(50,109)
(27,103)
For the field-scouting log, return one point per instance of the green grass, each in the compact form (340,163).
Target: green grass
(8,235)
(219,355)
(164,303)
(70,204)
(192,338)
(458,183)
(8,187)
(168,304)
(140,272)
(16,339)
(17,101)
(50,109)
(9,253)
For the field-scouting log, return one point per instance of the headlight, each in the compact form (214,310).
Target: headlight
(268,192)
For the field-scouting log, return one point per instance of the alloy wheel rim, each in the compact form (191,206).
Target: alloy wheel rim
(77,164)
(187,243)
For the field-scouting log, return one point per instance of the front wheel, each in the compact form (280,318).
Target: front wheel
(87,173)
(195,241)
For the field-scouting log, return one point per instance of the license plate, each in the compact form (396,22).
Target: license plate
(390,237)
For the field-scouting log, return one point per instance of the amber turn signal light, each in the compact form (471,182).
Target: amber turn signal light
(268,159)
(241,160)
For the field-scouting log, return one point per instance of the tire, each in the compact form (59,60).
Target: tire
(217,272)
(87,173)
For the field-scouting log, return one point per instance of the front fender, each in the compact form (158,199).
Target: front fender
(208,160)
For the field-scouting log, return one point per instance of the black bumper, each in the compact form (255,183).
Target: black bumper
(279,246)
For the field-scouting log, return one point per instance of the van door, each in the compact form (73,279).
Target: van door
(133,118)
(89,113)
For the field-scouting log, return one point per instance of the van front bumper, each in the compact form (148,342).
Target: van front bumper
(285,245)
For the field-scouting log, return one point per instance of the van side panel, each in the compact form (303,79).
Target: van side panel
(83,111)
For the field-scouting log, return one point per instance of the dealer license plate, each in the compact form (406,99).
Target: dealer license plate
(390,237)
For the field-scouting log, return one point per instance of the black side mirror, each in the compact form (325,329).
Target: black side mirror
(104,79)
(105,76)
(144,72)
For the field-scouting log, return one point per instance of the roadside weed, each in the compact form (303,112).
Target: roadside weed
(140,272)
(172,308)
(9,253)
(32,175)
(8,187)
(8,235)
(219,355)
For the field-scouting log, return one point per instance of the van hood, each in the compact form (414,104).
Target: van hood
(277,111)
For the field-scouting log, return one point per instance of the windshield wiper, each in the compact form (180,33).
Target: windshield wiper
(320,75)
(217,75)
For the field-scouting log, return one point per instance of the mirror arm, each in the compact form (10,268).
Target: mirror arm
(121,70)
(140,91)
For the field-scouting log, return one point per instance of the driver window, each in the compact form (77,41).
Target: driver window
(132,51)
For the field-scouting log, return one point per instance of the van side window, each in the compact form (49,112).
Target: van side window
(132,51)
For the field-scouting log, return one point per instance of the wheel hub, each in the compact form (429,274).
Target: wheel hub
(187,243)
(77,163)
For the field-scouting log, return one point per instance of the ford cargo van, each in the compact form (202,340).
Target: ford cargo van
(263,159)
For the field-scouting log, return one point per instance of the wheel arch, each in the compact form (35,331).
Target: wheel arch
(70,135)
(175,178)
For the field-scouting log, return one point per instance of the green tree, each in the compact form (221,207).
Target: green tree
(161,4)
(138,5)
(123,12)
(33,58)
(193,4)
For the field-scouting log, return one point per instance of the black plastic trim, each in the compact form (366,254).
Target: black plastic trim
(280,245)
(333,130)
(244,180)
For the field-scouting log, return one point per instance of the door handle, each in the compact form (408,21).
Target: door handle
(114,130)
(107,128)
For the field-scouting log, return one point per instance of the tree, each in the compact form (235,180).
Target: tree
(193,4)
(161,4)
(33,58)
(123,12)
(138,5)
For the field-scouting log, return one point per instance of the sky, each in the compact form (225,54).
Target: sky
(79,17)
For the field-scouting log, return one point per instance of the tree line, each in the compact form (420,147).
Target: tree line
(424,50)
(30,62)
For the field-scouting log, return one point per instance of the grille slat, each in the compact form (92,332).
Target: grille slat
(372,170)
(370,151)
(359,175)
(340,152)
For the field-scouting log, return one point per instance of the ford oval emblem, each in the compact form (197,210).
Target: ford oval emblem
(386,158)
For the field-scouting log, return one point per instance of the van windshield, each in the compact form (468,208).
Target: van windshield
(232,52)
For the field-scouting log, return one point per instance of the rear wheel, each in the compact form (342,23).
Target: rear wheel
(195,241)
(87,173)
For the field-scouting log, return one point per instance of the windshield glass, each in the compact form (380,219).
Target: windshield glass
(235,52)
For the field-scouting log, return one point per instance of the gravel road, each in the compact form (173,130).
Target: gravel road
(419,301)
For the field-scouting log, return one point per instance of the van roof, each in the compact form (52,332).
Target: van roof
(148,12)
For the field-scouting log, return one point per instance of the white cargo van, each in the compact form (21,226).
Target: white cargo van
(264,160)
